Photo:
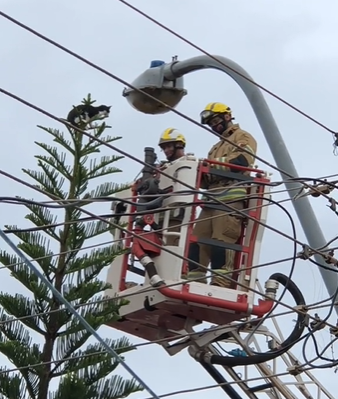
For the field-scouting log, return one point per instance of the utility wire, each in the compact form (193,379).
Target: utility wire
(117,78)
(263,161)
(77,315)
(128,232)
(164,248)
(195,46)
(207,129)
(119,226)
(138,160)
(121,81)
(158,341)
(36,33)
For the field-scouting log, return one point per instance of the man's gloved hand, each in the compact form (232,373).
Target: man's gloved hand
(239,161)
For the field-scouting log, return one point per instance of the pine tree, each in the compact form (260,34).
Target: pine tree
(83,373)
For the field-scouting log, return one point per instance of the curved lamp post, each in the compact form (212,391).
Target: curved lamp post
(165,82)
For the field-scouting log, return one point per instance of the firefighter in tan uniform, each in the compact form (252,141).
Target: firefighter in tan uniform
(172,142)
(216,224)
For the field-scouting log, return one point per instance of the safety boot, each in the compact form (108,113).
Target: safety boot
(195,275)
(220,279)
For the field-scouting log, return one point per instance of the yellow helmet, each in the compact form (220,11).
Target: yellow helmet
(212,109)
(172,135)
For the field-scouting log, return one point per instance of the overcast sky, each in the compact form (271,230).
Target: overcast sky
(289,47)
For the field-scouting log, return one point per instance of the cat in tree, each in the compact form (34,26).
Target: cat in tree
(84,113)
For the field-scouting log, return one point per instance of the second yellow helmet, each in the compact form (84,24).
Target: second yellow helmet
(212,109)
(172,135)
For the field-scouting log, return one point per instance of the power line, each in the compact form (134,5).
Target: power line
(190,334)
(121,81)
(33,187)
(134,158)
(117,78)
(163,248)
(36,33)
(71,309)
(259,158)
(195,46)
(128,155)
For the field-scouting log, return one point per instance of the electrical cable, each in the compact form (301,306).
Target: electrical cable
(54,43)
(35,188)
(58,45)
(285,283)
(129,155)
(283,304)
(207,387)
(196,47)
(71,309)
(316,327)
(121,81)
(90,200)
(191,334)
(145,240)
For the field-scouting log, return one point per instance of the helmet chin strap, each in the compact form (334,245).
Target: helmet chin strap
(173,155)
(220,127)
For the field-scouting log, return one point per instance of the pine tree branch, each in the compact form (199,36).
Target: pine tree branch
(12,386)
(91,264)
(100,168)
(25,276)
(107,189)
(76,277)
(40,217)
(92,355)
(74,335)
(83,292)
(59,138)
(48,182)
(22,355)
(36,247)
(21,308)
(56,160)
(93,146)
(115,387)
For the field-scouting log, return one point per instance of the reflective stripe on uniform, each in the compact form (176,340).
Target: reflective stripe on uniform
(220,167)
(249,148)
(233,193)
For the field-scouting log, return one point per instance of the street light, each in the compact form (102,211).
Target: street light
(156,79)
(154,82)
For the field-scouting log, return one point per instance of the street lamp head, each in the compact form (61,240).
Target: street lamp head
(153,81)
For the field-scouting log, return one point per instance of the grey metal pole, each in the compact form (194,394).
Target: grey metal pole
(277,146)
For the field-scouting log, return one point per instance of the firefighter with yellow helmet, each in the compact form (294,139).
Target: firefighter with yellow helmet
(172,142)
(218,224)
